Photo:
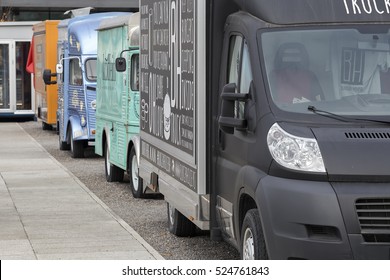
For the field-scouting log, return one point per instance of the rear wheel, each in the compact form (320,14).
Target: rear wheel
(133,174)
(46,126)
(113,173)
(76,147)
(178,224)
(252,238)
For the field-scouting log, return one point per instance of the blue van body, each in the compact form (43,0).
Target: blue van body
(77,51)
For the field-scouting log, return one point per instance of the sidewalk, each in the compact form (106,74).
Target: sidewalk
(47,213)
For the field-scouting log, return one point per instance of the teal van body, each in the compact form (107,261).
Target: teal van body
(117,100)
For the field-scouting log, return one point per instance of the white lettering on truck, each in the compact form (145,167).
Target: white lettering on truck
(366,6)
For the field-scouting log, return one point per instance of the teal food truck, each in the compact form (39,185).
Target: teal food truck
(76,79)
(117,106)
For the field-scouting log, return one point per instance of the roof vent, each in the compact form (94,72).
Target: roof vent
(79,12)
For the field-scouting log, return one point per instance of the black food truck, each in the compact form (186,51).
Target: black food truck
(268,123)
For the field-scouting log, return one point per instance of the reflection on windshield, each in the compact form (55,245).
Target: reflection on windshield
(341,71)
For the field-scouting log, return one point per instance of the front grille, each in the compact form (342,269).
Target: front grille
(374,219)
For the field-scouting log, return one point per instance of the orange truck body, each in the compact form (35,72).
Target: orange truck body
(45,35)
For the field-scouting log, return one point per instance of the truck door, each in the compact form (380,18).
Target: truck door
(234,144)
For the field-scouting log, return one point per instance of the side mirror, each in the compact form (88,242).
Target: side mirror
(47,77)
(228,121)
(59,69)
(120,64)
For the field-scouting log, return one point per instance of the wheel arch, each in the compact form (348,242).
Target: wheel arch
(249,178)
(105,139)
(134,142)
(72,125)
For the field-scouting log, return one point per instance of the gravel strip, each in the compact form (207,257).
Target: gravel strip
(148,217)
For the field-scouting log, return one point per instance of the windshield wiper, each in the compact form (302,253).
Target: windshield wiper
(328,114)
(342,118)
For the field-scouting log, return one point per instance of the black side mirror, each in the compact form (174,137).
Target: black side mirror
(120,64)
(47,77)
(227,120)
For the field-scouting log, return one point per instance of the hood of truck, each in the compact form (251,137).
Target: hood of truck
(355,154)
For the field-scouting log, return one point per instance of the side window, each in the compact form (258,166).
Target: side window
(246,70)
(234,59)
(135,72)
(90,70)
(75,73)
(239,70)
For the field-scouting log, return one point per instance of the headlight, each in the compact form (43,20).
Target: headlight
(294,152)
(93,104)
(83,121)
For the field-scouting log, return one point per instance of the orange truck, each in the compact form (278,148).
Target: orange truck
(44,44)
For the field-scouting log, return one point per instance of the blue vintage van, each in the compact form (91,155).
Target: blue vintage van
(76,79)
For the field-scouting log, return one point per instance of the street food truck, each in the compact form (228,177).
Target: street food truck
(76,80)
(269,124)
(117,98)
(16,89)
(44,49)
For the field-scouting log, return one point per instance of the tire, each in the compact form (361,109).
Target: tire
(64,146)
(113,173)
(46,126)
(76,147)
(136,189)
(178,224)
(253,245)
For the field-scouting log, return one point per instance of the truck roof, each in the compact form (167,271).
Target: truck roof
(317,11)
(82,30)
(115,22)
(129,20)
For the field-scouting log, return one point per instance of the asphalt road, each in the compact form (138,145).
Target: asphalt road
(146,216)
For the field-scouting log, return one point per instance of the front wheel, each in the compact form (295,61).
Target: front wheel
(76,147)
(136,189)
(64,146)
(113,173)
(252,237)
(178,224)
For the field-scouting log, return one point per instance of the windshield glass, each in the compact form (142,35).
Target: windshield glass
(342,71)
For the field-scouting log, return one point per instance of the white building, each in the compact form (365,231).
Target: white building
(16,20)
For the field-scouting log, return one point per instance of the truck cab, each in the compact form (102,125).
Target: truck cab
(289,113)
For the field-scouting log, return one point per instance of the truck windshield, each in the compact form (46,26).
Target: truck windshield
(342,71)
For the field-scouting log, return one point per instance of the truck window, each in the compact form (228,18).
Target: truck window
(239,71)
(234,58)
(75,73)
(90,70)
(135,73)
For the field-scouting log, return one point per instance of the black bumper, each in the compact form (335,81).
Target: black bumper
(320,220)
